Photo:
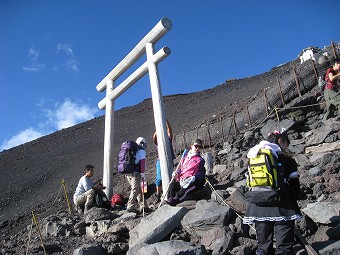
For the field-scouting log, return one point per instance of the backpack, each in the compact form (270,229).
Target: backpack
(322,82)
(117,199)
(101,200)
(265,179)
(127,157)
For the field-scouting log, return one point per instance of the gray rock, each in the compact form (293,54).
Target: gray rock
(299,148)
(217,239)
(315,171)
(318,135)
(332,249)
(88,249)
(95,214)
(157,225)
(167,248)
(56,229)
(218,169)
(323,212)
(330,158)
(206,214)
(316,156)
(272,125)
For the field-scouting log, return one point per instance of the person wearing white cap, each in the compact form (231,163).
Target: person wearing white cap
(136,203)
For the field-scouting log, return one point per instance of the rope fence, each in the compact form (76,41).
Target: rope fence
(36,222)
(298,81)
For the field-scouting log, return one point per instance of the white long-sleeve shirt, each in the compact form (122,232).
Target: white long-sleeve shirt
(85,183)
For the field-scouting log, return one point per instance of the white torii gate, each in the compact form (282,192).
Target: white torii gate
(145,45)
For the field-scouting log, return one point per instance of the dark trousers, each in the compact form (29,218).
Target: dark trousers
(284,234)
(177,194)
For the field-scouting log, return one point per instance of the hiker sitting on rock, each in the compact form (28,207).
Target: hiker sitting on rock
(332,90)
(86,189)
(275,217)
(190,175)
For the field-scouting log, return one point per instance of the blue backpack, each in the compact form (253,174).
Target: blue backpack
(127,157)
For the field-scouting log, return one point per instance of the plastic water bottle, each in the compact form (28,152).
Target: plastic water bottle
(144,186)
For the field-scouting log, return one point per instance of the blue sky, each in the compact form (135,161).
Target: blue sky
(54,53)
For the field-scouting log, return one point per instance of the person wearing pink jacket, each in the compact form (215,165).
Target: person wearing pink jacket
(190,175)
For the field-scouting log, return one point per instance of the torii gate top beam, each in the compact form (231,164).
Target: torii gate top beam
(161,28)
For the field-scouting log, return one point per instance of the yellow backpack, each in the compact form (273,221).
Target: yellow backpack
(265,178)
(263,170)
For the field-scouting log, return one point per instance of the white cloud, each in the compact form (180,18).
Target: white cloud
(68,62)
(34,67)
(25,136)
(33,56)
(71,63)
(33,53)
(63,115)
(66,48)
(69,113)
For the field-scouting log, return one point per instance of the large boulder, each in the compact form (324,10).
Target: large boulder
(323,212)
(157,225)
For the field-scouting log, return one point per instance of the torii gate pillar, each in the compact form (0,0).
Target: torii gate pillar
(108,140)
(163,145)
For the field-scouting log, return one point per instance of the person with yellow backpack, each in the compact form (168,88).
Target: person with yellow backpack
(273,189)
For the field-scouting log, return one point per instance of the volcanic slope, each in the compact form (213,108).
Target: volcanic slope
(31,174)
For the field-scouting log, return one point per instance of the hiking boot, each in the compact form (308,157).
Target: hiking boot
(80,209)
(156,198)
(172,201)
(132,210)
(87,208)
(146,210)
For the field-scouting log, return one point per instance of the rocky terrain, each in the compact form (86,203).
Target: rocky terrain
(31,176)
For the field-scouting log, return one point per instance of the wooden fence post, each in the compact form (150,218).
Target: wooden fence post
(315,70)
(208,132)
(184,142)
(249,119)
(279,85)
(235,127)
(297,82)
(222,130)
(334,50)
(266,100)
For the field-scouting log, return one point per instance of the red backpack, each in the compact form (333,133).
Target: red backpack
(117,199)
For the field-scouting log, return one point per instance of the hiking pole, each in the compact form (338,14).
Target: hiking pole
(172,178)
(142,188)
(308,247)
(144,185)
